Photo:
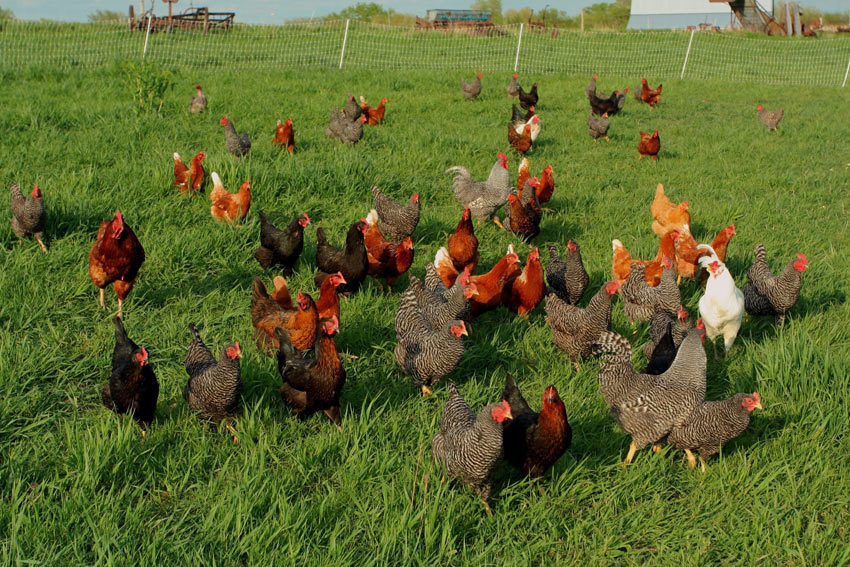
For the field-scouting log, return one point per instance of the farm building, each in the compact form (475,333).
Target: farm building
(679,14)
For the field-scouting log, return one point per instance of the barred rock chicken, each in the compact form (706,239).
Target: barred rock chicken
(712,424)
(311,385)
(513,87)
(437,307)
(387,260)
(490,286)
(663,354)
(767,294)
(284,135)
(649,95)
(395,220)
(770,118)
(535,441)
(374,114)
(649,145)
(590,89)
(648,407)
(132,387)
(267,316)
(640,299)
(722,305)
(659,322)
(527,99)
(524,218)
(484,198)
(597,126)
(237,145)
(328,303)
(719,245)
(198,103)
(213,388)
(115,257)
(567,279)
(352,261)
(574,330)
(426,353)
(469,445)
(463,244)
(521,143)
(473,89)
(525,290)
(28,214)
(227,206)
(666,214)
(189,179)
(281,247)
(352,111)
(340,127)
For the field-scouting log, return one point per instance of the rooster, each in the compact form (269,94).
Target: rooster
(649,145)
(648,95)
(473,89)
(490,286)
(767,294)
(770,118)
(513,87)
(28,214)
(395,220)
(281,247)
(374,115)
(237,145)
(575,329)
(198,103)
(525,290)
(567,279)
(666,214)
(722,306)
(284,136)
(267,316)
(189,178)
(352,261)
(484,198)
(527,99)
(387,260)
(463,244)
(115,257)
(228,206)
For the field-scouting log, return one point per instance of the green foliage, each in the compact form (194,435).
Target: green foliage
(362,11)
(6,14)
(493,6)
(148,82)
(107,16)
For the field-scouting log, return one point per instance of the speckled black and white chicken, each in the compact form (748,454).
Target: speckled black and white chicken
(767,294)
(484,198)
(28,214)
(576,329)
(437,308)
(640,300)
(567,278)
(395,221)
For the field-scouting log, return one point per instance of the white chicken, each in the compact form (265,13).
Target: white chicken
(534,122)
(722,305)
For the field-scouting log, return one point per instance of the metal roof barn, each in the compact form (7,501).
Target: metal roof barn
(679,14)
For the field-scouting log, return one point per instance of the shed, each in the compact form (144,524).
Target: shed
(679,14)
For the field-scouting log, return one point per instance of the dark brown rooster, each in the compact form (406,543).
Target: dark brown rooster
(527,99)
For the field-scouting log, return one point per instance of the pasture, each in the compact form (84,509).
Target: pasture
(81,487)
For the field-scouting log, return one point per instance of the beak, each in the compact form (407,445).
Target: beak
(509,415)
(464,331)
(758,406)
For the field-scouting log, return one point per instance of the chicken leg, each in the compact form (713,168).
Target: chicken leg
(631,455)
(40,242)
(692,460)
(499,223)
(426,391)
(102,302)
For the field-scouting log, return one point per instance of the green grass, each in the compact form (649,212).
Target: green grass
(80,486)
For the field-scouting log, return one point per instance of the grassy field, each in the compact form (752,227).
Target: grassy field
(81,487)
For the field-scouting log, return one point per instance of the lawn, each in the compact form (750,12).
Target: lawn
(81,487)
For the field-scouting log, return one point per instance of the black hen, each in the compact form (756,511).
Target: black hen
(528,99)
(351,261)
(133,386)
(281,247)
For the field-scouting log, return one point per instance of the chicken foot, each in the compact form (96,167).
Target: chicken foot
(630,457)
(426,391)
(499,223)
(41,242)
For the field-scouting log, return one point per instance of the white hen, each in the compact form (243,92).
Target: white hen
(722,305)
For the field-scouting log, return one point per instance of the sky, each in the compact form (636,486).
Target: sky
(278,11)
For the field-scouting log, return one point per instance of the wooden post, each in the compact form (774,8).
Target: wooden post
(582,21)
(132,19)
(798,28)
(206,20)
(170,4)
(788,30)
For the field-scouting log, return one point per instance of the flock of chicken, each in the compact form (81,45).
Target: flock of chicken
(665,403)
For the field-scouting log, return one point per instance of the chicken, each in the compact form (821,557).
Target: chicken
(520,142)
(239,146)
(545,186)
(590,89)
(649,145)
(463,244)
(666,214)
(533,123)
(284,136)
(640,300)
(281,247)
(115,257)
(719,245)
(132,387)
(437,307)
(473,89)
(659,322)
(648,95)
(602,105)
(767,294)
(181,174)
(648,407)
(227,206)
(663,354)
(535,441)
(567,279)
(468,446)
(214,388)
(770,118)
(490,285)
(395,220)
(311,385)
(574,330)
(523,175)
(597,126)
(374,115)
(352,111)
(328,303)
(527,99)
(348,131)
(28,214)
(524,219)
(712,424)
(722,305)
(387,260)
(267,316)
(351,261)
(622,262)
(518,116)
(484,198)
(621,100)
(688,253)
(280,294)
(198,103)
(513,87)
(524,291)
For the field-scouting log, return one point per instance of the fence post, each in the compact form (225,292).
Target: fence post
(147,34)
(687,54)
(344,39)
(844,82)
(518,43)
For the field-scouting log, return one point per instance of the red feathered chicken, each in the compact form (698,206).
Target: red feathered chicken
(228,206)
(374,115)
(649,145)
(525,290)
(649,95)
(268,316)
(284,135)
(115,257)
(490,285)
(387,260)
(328,303)
(545,185)
(189,177)
(463,244)
(666,214)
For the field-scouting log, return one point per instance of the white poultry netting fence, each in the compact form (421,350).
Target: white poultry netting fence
(661,55)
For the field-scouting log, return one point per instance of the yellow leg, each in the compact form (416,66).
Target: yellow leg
(120,306)
(656,448)
(232,430)
(640,157)
(692,460)
(426,391)
(499,223)
(701,465)
(487,508)
(631,455)
(41,243)
(607,139)
(678,280)
(102,303)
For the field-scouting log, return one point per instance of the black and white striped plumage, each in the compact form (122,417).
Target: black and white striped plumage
(27,214)
(661,319)
(714,423)
(214,387)
(574,330)
(567,278)
(469,445)
(484,198)
(396,221)
(640,300)
(767,294)
(436,309)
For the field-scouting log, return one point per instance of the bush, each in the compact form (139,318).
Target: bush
(148,83)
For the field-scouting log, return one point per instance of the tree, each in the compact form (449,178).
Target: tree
(106,16)
(492,6)
(6,14)
(363,11)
